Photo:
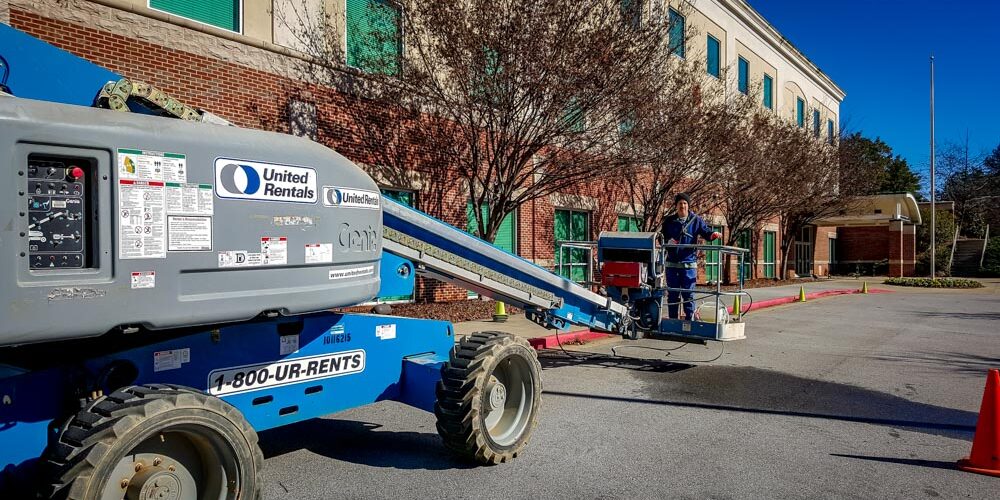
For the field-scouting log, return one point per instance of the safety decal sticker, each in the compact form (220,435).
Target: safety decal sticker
(246,378)
(189,199)
(386,332)
(170,360)
(319,253)
(143,279)
(288,344)
(141,223)
(274,250)
(136,164)
(189,234)
(354,272)
(240,258)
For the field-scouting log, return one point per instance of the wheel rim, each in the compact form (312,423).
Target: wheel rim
(183,462)
(508,400)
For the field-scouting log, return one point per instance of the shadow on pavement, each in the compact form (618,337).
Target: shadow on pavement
(933,464)
(553,358)
(961,362)
(361,443)
(975,316)
(754,390)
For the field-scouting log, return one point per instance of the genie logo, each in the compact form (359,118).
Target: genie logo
(248,180)
(351,198)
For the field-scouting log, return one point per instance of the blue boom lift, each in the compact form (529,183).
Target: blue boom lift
(145,340)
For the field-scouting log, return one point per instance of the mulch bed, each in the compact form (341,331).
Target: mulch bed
(456,312)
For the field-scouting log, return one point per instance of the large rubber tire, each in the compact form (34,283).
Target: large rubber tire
(133,424)
(471,422)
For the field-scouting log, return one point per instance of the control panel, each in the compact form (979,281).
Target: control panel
(59,196)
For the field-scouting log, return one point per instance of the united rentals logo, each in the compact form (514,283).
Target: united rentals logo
(351,198)
(258,181)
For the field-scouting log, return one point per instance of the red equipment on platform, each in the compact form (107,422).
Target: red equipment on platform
(623,274)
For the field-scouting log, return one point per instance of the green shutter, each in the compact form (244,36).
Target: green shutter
(626,223)
(712,258)
(572,226)
(224,14)
(768,83)
(743,241)
(505,234)
(676,32)
(404,197)
(574,118)
(769,237)
(373,36)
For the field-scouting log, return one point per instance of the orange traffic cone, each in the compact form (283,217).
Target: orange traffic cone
(985,456)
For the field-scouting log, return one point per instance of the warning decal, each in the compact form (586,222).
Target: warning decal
(189,234)
(170,360)
(141,231)
(274,250)
(143,279)
(319,253)
(189,199)
(247,378)
(240,258)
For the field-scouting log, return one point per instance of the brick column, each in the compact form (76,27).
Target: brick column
(897,259)
(909,249)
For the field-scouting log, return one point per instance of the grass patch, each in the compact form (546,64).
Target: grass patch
(934,283)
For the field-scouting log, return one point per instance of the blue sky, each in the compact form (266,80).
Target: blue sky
(877,51)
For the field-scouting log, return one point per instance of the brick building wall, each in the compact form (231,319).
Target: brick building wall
(255,85)
(887,249)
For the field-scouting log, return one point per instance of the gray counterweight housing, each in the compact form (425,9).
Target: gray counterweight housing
(117,219)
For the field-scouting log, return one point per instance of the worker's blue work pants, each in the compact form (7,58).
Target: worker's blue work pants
(681,278)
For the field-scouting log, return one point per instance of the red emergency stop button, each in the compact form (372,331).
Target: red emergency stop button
(75,173)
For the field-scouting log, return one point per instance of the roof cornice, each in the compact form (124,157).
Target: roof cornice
(751,18)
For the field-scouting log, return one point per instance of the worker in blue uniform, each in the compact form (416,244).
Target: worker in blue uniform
(683,227)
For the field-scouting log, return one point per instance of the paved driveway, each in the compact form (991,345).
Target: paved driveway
(846,397)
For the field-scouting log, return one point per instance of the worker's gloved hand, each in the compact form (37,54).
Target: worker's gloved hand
(672,242)
(716,235)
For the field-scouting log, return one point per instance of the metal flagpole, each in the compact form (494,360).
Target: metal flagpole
(933,186)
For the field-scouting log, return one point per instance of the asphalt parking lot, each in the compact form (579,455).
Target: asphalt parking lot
(854,396)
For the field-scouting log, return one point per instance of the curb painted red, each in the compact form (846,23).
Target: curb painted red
(579,336)
(584,336)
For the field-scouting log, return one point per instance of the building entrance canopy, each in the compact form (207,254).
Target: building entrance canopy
(878,210)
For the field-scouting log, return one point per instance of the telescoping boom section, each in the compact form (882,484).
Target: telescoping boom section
(446,253)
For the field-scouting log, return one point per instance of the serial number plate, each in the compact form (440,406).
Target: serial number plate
(246,378)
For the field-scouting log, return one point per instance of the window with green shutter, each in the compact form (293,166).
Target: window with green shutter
(572,226)
(769,242)
(676,32)
(574,117)
(712,258)
(712,56)
(374,36)
(628,223)
(506,235)
(404,197)
(223,14)
(768,92)
(744,241)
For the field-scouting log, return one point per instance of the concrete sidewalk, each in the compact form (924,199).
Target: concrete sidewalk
(517,324)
